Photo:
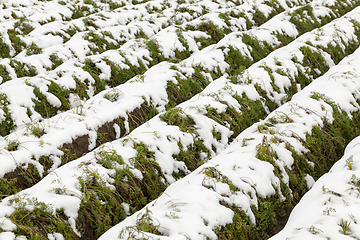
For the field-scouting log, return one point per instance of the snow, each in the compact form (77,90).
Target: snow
(193,206)
(332,201)
(238,162)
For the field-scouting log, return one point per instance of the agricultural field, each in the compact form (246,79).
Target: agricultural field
(179,119)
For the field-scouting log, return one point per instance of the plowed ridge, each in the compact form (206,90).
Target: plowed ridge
(147,116)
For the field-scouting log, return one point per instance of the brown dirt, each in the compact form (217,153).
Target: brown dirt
(281,221)
(78,146)
(46,163)
(139,116)
(25,178)
(107,132)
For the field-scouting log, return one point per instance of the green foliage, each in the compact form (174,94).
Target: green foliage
(95,217)
(89,22)
(94,71)
(13,145)
(101,42)
(56,61)
(325,144)
(184,89)
(185,53)
(259,17)
(35,128)
(315,60)
(109,159)
(211,29)
(81,88)
(7,124)
(40,221)
(4,49)
(251,111)
(153,179)
(144,224)
(120,75)
(113,4)
(215,176)
(176,116)
(61,93)
(8,187)
(345,227)
(23,69)
(191,157)
(23,26)
(240,228)
(80,11)
(16,41)
(44,108)
(237,61)
(155,52)
(5,76)
(284,39)
(337,53)
(258,49)
(343,6)
(300,18)
(33,49)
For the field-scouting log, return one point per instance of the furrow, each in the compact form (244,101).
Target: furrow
(128,173)
(248,190)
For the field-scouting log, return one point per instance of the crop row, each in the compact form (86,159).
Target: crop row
(53,43)
(263,173)
(181,81)
(130,172)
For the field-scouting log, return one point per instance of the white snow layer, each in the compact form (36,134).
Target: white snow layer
(189,208)
(186,209)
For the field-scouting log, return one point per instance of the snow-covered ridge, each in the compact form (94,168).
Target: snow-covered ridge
(86,118)
(120,177)
(331,208)
(239,177)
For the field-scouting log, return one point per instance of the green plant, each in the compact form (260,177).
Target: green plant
(33,49)
(176,116)
(108,158)
(237,61)
(101,42)
(120,75)
(37,223)
(8,187)
(35,128)
(4,49)
(345,227)
(16,41)
(113,94)
(314,230)
(12,145)
(56,61)
(94,71)
(184,89)
(95,217)
(7,123)
(143,225)
(42,105)
(349,163)
(23,69)
(238,120)
(155,51)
